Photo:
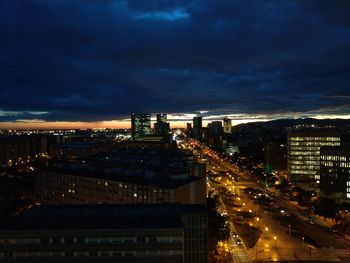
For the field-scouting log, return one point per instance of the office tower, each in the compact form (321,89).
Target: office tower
(275,156)
(162,118)
(303,158)
(197,127)
(215,128)
(162,127)
(140,125)
(227,125)
(335,171)
(189,129)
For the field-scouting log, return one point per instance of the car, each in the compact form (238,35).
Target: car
(334,230)
(234,235)
(239,241)
(311,221)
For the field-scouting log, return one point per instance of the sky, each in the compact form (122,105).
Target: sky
(91,63)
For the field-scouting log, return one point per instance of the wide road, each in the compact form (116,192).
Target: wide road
(238,251)
(321,236)
(324,238)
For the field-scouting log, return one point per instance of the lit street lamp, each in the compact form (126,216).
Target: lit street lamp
(289,229)
(275,238)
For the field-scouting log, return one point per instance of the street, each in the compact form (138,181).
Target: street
(276,240)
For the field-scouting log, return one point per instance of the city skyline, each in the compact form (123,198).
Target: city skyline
(192,131)
(174,120)
(77,65)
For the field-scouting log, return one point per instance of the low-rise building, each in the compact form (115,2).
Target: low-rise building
(106,233)
(84,187)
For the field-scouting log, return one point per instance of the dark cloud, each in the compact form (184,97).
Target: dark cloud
(102,60)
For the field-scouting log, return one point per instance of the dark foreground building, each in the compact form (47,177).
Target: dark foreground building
(106,233)
(335,171)
(65,188)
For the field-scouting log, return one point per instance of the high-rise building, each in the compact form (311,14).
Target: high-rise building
(197,127)
(189,128)
(162,127)
(227,125)
(215,128)
(303,158)
(335,171)
(162,118)
(140,125)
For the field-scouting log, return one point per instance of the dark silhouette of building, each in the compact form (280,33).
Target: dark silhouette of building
(215,128)
(162,127)
(189,129)
(169,233)
(335,171)
(197,128)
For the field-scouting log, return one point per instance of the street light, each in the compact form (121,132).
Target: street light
(266,229)
(303,241)
(275,238)
(289,229)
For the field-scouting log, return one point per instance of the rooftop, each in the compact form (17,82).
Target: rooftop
(101,216)
(315,132)
(136,175)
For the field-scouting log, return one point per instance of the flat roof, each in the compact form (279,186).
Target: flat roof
(157,180)
(106,216)
(315,133)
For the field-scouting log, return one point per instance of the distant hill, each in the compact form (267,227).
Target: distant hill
(308,121)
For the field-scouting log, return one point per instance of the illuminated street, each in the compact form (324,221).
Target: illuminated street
(276,241)
(174,131)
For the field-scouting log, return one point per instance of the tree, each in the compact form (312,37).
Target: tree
(326,207)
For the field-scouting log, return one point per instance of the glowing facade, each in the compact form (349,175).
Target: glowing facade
(335,171)
(227,125)
(140,125)
(162,127)
(304,153)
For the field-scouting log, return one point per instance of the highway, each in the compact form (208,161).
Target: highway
(324,238)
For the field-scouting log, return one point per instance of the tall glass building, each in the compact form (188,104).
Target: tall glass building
(162,117)
(197,127)
(335,171)
(140,125)
(227,125)
(304,153)
(162,127)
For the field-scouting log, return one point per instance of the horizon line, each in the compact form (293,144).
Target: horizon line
(125,124)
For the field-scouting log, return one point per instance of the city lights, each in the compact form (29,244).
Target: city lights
(174,131)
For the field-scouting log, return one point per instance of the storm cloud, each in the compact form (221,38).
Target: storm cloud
(86,60)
